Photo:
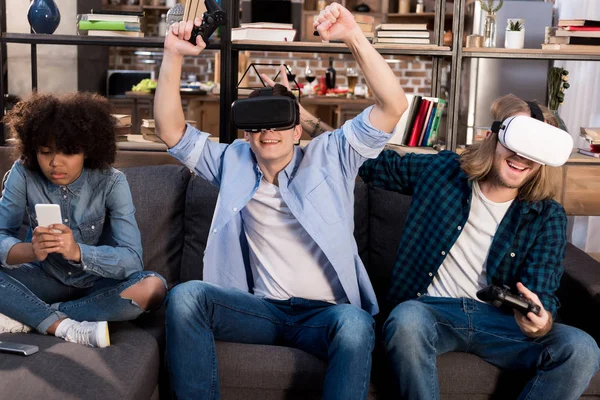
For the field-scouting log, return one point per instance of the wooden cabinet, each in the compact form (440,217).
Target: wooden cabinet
(580,187)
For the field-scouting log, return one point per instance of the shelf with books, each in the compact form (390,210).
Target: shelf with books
(532,54)
(82,40)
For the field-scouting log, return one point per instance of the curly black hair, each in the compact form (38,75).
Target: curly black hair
(77,123)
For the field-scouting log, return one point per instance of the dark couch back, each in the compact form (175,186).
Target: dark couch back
(201,198)
(387,214)
(159,197)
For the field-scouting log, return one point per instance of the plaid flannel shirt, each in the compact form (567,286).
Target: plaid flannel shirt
(528,247)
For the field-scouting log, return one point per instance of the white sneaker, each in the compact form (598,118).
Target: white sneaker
(94,334)
(9,325)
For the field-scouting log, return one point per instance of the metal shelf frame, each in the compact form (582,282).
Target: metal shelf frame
(230,56)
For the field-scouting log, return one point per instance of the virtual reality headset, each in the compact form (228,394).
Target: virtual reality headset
(532,138)
(265,111)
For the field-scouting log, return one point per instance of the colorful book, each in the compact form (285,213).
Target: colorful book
(578,22)
(588,153)
(400,40)
(401,27)
(403,34)
(412,115)
(115,33)
(426,121)
(108,26)
(418,124)
(425,140)
(435,127)
(266,34)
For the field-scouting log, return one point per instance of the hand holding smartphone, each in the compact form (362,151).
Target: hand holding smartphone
(48,214)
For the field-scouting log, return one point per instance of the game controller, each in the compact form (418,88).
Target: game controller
(501,296)
(211,19)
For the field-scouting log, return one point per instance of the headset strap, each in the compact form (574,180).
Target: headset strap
(496,126)
(536,111)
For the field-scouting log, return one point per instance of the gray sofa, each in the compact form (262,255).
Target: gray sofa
(174,211)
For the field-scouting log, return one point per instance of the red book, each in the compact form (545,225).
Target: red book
(581,28)
(418,124)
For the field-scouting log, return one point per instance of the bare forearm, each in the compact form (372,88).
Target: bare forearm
(311,124)
(388,94)
(168,111)
(21,253)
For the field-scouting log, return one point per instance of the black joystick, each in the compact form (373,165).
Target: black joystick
(501,296)
(211,19)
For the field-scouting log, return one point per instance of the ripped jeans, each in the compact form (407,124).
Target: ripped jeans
(31,296)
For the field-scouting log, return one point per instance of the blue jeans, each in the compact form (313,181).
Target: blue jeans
(417,331)
(31,296)
(198,313)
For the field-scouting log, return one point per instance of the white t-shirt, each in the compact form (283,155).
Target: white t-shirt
(463,271)
(286,262)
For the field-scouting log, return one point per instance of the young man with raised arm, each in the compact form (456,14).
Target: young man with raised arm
(281,265)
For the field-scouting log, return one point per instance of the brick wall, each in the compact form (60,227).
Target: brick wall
(414,72)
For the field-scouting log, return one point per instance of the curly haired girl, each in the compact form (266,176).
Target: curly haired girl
(89,267)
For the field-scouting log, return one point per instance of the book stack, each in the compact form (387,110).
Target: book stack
(419,126)
(122,126)
(402,34)
(592,135)
(267,31)
(110,23)
(366,24)
(147,130)
(581,35)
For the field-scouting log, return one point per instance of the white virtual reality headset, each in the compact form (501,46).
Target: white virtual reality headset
(532,138)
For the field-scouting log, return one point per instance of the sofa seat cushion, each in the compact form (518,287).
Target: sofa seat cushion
(159,197)
(465,376)
(128,369)
(270,370)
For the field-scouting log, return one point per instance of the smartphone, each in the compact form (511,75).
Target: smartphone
(18,348)
(48,214)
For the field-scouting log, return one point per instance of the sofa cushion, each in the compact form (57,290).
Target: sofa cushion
(580,285)
(200,202)
(128,369)
(361,220)
(387,213)
(269,372)
(159,197)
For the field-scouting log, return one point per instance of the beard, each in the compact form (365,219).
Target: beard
(498,178)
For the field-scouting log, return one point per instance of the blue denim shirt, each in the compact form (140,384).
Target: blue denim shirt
(97,207)
(317,186)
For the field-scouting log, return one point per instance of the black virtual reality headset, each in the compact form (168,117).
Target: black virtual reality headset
(532,138)
(265,111)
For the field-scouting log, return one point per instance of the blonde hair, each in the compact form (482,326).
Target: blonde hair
(478,159)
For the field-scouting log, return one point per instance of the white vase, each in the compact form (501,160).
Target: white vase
(514,39)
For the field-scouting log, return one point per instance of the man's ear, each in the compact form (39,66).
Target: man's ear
(488,134)
(297,132)
(246,136)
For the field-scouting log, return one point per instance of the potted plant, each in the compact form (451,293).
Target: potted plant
(515,34)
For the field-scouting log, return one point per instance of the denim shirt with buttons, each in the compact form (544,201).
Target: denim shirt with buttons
(317,186)
(97,207)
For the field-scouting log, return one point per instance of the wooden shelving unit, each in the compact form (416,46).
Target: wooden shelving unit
(454,54)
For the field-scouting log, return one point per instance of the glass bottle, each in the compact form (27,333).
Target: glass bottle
(330,75)
(489,30)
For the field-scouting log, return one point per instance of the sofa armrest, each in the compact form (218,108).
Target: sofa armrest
(579,291)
